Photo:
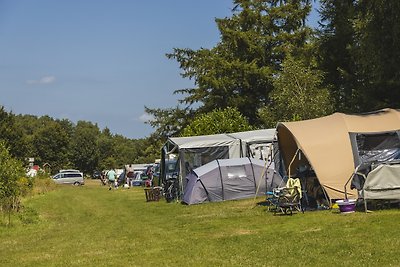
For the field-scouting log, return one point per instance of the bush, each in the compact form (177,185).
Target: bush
(12,186)
(42,184)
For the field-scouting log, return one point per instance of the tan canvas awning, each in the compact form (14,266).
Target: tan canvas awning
(326,144)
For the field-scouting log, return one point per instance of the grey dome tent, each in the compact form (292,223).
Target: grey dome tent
(229,179)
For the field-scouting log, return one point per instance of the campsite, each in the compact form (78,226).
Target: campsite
(221,212)
(272,140)
(96,227)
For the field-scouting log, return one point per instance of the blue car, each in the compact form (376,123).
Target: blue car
(139,179)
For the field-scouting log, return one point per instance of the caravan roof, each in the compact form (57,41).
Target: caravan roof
(256,136)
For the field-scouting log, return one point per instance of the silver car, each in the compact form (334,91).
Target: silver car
(66,177)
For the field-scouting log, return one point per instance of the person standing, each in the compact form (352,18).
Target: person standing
(103,178)
(129,173)
(149,174)
(111,178)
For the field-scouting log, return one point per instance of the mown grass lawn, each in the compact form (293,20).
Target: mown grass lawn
(91,226)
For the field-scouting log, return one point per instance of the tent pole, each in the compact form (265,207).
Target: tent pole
(326,196)
(365,201)
(263,173)
(254,176)
(259,181)
(222,182)
(294,157)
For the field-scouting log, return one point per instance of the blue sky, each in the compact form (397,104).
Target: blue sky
(100,60)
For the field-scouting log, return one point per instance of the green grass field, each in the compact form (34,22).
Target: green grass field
(91,226)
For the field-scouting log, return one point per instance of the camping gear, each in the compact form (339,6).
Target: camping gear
(328,145)
(171,189)
(153,193)
(228,179)
(381,183)
(346,205)
(288,199)
(192,152)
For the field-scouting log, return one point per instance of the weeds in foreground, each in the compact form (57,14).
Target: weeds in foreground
(13,208)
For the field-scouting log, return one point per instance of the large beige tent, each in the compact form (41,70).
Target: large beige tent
(326,144)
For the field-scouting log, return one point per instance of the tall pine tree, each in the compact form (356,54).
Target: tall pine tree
(359,51)
(238,72)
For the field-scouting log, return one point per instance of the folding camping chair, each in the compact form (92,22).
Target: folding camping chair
(288,199)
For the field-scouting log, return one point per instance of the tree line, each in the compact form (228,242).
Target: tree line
(61,144)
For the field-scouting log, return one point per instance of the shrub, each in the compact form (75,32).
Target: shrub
(11,184)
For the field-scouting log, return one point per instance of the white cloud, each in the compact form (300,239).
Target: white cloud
(43,80)
(146,117)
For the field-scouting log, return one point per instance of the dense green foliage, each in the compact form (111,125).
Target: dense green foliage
(91,226)
(12,182)
(218,121)
(12,135)
(335,42)
(240,70)
(358,51)
(61,144)
(297,95)
(353,54)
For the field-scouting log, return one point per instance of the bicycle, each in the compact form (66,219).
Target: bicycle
(172,190)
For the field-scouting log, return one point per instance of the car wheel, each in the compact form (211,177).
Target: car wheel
(77,183)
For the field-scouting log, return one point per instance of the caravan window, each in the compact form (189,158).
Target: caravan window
(197,157)
(260,151)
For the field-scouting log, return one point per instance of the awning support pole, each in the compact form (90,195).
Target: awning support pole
(294,157)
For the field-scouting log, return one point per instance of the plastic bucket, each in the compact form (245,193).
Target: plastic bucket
(347,205)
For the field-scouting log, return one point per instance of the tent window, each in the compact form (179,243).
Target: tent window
(378,147)
(235,172)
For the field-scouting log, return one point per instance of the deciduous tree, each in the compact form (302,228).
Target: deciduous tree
(84,146)
(218,121)
(297,95)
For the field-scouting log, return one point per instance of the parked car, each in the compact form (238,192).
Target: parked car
(138,180)
(96,175)
(69,177)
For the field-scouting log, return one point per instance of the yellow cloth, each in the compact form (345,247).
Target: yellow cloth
(293,184)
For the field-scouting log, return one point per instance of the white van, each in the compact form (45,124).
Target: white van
(66,177)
